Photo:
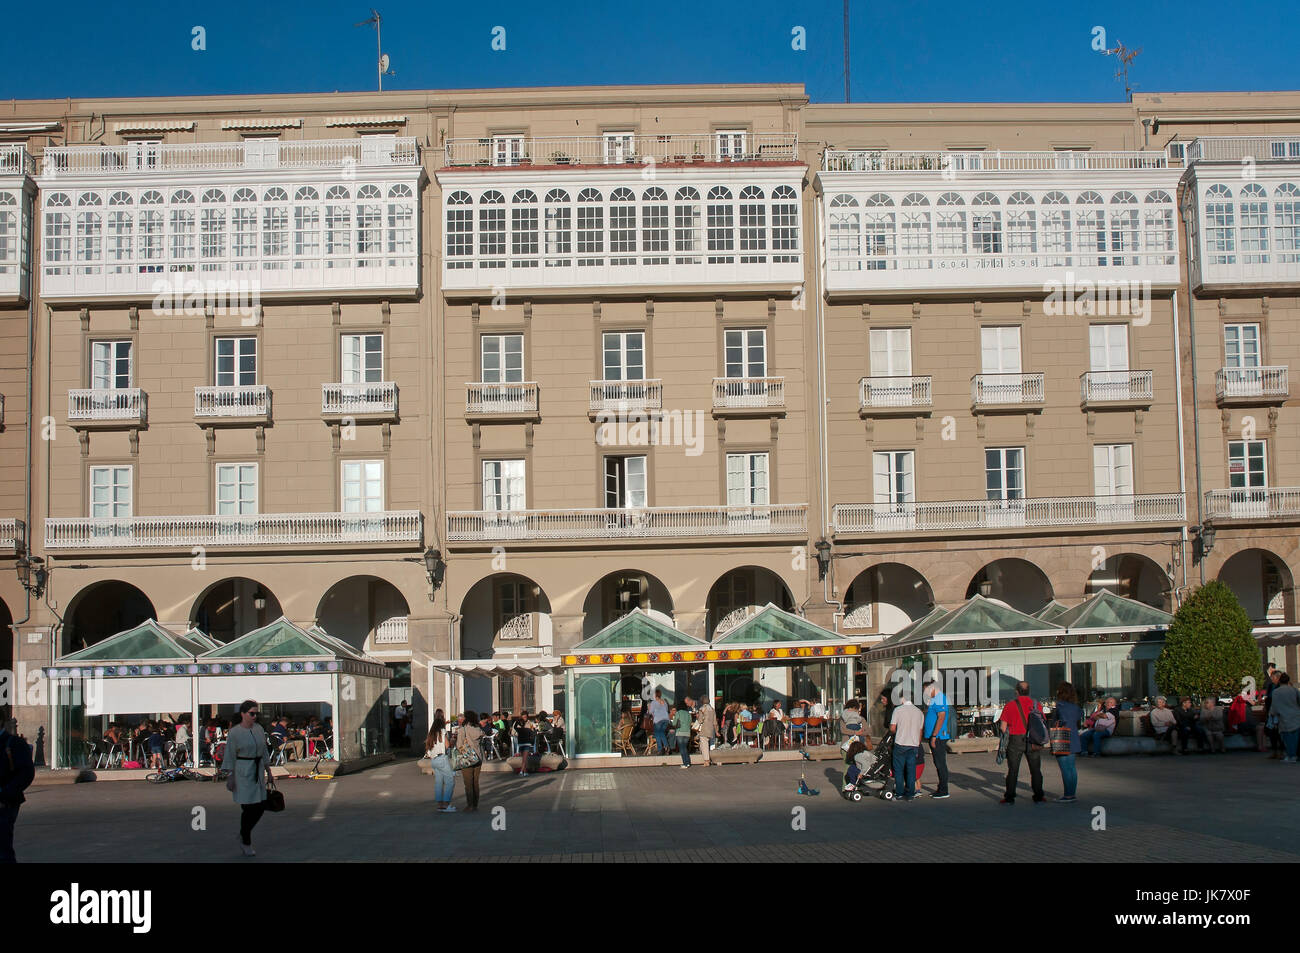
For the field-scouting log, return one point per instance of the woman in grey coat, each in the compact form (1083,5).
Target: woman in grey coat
(247,761)
(1286,707)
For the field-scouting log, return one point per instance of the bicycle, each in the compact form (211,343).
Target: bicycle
(180,773)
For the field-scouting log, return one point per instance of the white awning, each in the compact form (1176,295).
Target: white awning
(535,665)
(124,128)
(253,122)
(30,127)
(366,121)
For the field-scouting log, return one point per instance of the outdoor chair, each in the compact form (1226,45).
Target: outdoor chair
(490,750)
(94,756)
(816,726)
(652,745)
(798,727)
(623,740)
(749,729)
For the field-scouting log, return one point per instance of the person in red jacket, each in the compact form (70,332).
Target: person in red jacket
(1015,722)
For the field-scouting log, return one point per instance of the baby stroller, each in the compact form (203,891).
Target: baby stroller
(877,779)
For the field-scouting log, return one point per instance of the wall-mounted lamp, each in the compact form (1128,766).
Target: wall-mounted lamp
(986,589)
(1207,538)
(434,566)
(32,573)
(823,559)
(259,599)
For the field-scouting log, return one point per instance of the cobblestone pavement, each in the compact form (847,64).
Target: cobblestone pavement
(1235,807)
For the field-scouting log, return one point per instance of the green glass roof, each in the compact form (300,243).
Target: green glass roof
(636,630)
(280,639)
(918,630)
(980,616)
(1106,610)
(1051,611)
(776,625)
(148,640)
(318,633)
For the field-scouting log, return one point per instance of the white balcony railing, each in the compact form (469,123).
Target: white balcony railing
(266,529)
(517,628)
(506,398)
(1007,389)
(13,535)
(151,159)
(1236,148)
(97,403)
(346,400)
(652,522)
(853,518)
(1253,503)
(622,150)
(739,393)
(626,397)
(15,160)
(392,631)
(895,392)
(1099,387)
(1246,382)
(248,400)
(889,160)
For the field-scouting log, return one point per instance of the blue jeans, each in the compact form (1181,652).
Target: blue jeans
(905,770)
(1069,774)
(1290,740)
(1086,739)
(661,736)
(684,746)
(444,779)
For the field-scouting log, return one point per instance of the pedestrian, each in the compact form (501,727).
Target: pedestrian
(1271,681)
(16,774)
(1014,721)
(444,779)
(906,722)
(683,726)
(1286,708)
(1210,720)
(708,730)
(250,772)
(936,733)
(659,720)
(1068,714)
(467,739)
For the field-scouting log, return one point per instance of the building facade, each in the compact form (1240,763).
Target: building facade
(466,377)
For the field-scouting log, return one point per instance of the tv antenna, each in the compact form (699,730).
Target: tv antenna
(383,61)
(1126,57)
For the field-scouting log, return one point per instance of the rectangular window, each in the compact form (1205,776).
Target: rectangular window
(891,352)
(1004,473)
(502,358)
(1000,365)
(619,148)
(624,355)
(236,362)
(747,479)
(110,492)
(731,144)
(1112,469)
(507,150)
(745,352)
(236,489)
(625,483)
(1247,465)
(686,227)
(111,365)
(654,228)
(363,486)
(1241,346)
(503,485)
(893,477)
(721,227)
(363,358)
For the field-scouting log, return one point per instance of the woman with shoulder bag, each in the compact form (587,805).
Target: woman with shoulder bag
(246,758)
(467,740)
(1065,737)
(444,779)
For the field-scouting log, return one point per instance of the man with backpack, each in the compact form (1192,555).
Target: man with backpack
(1026,729)
(16,773)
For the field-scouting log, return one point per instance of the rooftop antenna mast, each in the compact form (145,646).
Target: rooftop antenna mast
(382,58)
(1126,57)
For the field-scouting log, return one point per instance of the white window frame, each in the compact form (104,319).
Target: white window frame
(120,504)
(626,482)
(745,339)
(620,349)
(236,356)
(749,479)
(619,147)
(362,474)
(354,358)
(498,346)
(113,358)
(505,485)
(731,144)
(1004,468)
(893,475)
(239,477)
(507,149)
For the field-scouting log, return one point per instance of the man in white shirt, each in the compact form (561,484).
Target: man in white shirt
(906,723)
(818,710)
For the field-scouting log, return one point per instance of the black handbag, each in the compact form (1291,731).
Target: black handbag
(274,799)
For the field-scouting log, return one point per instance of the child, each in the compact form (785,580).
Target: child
(858,759)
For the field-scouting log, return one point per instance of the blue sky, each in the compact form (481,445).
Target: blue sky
(903,51)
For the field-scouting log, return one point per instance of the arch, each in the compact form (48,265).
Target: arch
(742,587)
(1263,584)
(102,609)
(228,609)
(1132,576)
(503,614)
(366,612)
(617,593)
(887,597)
(1017,582)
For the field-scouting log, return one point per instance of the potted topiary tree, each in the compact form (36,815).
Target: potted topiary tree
(1209,649)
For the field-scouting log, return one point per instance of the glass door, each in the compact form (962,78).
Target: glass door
(594,703)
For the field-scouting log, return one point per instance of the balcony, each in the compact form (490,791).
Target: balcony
(16,192)
(107,407)
(1007,391)
(507,401)
(152,159)
(13,535)
(1256,503)
(564,151)
(748,396)
(881,396)
(1099,390)
(1251,386)
(852,519)
(392,631)
(250,403)
(372,400)
(1236,148)
(356,530)
(658,522)
(14,160)
(626,397)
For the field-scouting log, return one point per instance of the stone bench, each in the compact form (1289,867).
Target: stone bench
(1145,744)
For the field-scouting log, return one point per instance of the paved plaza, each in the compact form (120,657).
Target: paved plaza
(1235,807)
